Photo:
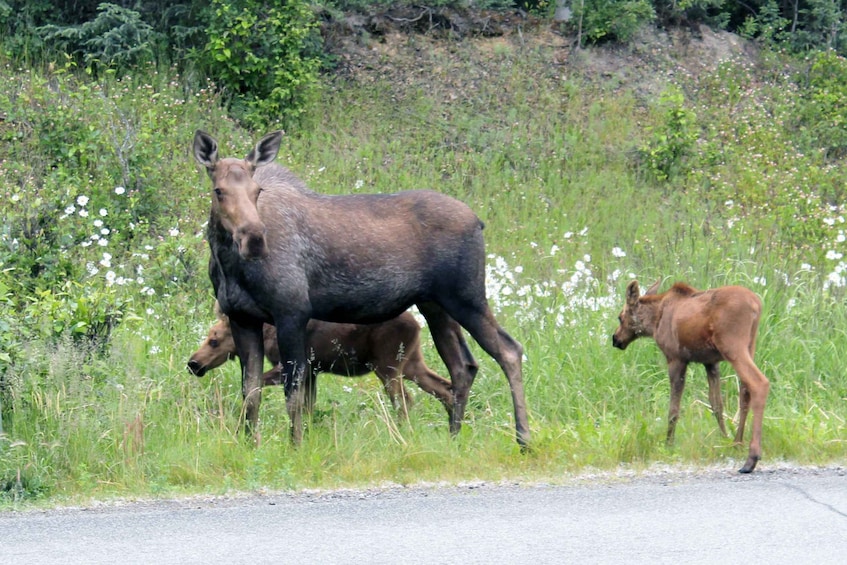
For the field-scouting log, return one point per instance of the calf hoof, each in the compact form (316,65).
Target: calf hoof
(749,465)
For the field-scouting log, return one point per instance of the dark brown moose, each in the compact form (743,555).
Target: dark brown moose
(282,254)
(390,349)
(707,327)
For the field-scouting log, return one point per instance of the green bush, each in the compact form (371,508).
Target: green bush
(87,179)
(823,116)
(672,141)
(611,20)
(117,38)
(265,55)
(676,12)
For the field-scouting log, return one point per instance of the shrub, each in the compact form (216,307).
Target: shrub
(116,38)
(823,116)
(265,55)
(673,139)
(611,20)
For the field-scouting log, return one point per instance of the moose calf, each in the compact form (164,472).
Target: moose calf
(707,327)
(390,349)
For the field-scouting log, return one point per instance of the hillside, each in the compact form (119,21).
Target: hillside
(411,45)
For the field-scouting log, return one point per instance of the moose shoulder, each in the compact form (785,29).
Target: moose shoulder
(707,327)
(283,254)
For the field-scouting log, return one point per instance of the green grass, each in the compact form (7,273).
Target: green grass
(552,162)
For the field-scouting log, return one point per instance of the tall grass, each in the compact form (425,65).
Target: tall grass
(553,164)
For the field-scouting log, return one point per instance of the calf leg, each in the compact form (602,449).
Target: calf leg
(272,377)
(676,372)
(755,387)
(250,349)
(310,390)
(416,371)
(395,390)
(453,349)
(743,408)
(715,400)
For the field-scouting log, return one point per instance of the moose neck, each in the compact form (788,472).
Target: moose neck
(220,240)
(650,313)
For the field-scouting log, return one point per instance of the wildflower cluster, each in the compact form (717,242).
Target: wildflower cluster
(837,277)
(560,300)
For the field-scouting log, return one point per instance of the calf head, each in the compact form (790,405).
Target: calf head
(236,193)
(216,349)
(632,319)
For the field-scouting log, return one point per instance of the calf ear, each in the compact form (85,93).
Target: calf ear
(654,288)
(266,150)
(220,313)
(205,149)
(633,293)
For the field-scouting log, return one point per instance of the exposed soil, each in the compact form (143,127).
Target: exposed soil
(392,44)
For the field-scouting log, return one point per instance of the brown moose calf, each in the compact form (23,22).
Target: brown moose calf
(390,349)
(707,327)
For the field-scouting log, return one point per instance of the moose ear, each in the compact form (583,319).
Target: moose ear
(205,149)
(654,288)
(266,150)
(633,293)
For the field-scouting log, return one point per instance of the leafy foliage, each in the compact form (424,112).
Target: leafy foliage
(611,20)
(116,38)
(266,55)
(823,116)
(89,232)
(673,139)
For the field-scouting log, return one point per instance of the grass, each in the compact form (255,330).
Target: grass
(554,164)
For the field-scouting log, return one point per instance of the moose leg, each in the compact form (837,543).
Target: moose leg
(453,349)
(757,387)
(250,349)
(291,340)
(713,375)
(507,351)
(743,409)
(676,372)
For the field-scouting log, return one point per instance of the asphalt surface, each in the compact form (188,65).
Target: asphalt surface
(777,515)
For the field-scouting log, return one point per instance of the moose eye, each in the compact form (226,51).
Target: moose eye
(219,193)
(213,342)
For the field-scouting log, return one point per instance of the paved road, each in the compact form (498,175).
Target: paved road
(784,515)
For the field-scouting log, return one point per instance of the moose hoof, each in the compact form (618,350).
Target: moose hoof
(749,465)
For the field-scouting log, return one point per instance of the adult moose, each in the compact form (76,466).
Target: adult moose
(283,254)
(707,327)
(391,350)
